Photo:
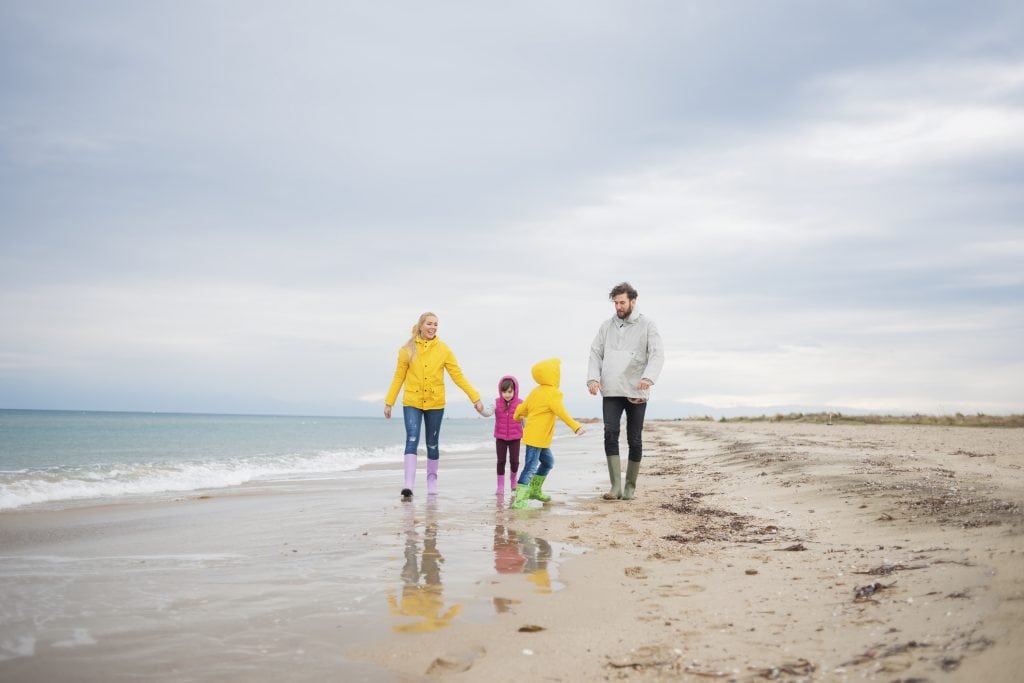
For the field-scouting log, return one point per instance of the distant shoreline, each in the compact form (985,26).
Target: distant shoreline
(1011,420)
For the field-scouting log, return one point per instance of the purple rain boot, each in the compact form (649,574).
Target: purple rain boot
(410,475)
(501,484)
(432,476)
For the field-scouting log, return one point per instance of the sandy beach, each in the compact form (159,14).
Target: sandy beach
(754,551)
(765,551)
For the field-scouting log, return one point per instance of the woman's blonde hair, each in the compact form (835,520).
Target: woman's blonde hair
(411,344)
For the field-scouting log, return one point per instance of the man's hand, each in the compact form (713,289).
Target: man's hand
(645,384)
(594,387)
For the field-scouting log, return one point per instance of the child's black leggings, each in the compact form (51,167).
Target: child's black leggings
(512,449)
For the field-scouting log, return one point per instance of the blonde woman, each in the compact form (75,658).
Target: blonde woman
(422,362)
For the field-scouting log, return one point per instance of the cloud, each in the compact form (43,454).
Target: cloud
(249,207)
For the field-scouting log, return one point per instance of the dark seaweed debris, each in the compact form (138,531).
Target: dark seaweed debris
(886,569)
(865,592)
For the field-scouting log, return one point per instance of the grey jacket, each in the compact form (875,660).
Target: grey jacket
(623,353)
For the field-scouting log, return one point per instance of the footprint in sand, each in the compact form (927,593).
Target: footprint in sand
(455,663)
(680,591)
(646,657)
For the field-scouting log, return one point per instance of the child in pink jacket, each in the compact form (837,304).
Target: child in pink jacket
(508,432)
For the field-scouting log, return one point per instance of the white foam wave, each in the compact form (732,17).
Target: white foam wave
(80,637)
(464,447)
(14,646)
(21,488)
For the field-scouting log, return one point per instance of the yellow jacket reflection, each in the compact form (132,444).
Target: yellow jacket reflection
(422,596)
(537,552)
(425,602)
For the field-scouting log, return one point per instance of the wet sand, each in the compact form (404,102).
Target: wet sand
(266,582)
(767,551)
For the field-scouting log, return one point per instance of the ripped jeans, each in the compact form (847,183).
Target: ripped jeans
(432,419)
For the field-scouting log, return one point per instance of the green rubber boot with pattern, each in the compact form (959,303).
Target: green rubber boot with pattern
(535,493)
(522,497)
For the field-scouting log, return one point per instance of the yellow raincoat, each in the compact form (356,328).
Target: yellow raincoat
(544,404)
(423,377)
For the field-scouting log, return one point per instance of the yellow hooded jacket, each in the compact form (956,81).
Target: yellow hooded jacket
(543,405)
(423,376)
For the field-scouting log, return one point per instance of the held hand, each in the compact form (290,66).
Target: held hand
(594,387)
(644,385)
(387,412)
(581,431)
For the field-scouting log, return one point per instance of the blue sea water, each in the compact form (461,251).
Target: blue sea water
(58,457)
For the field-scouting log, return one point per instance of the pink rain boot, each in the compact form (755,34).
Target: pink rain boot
(501,484)
(432,476)
(410,475)
(512,484)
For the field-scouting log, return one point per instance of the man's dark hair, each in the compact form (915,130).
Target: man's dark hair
(623,288)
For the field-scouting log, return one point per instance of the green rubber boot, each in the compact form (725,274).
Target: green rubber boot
(632,470)
(522,497)
(535,493)
(615,475)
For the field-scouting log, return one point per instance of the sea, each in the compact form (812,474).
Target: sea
(64,458)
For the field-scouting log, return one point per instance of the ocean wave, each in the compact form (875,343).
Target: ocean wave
(58,484)
(465,447)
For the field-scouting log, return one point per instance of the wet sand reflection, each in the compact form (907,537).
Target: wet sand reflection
(516,552)
(422,595)
(421,602)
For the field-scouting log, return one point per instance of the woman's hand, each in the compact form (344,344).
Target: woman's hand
(581,431)
(387,411)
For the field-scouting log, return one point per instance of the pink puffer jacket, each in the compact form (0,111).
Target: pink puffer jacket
(504,426)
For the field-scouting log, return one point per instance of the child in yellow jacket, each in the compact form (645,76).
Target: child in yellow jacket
(540,409)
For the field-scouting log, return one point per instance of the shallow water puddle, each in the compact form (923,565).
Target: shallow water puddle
(446,560)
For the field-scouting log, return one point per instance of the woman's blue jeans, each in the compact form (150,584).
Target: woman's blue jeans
(539,461)
(414,417)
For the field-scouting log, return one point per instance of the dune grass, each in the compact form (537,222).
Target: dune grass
(955,420)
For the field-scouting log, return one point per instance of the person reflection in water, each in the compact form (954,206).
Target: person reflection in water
(507,557)
(518,553)
(537,553)
(422,595)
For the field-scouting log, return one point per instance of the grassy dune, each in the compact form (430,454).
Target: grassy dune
(955,420)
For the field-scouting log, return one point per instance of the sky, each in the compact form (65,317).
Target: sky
(243,207)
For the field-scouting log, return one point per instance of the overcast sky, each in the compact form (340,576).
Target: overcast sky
(244,206)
